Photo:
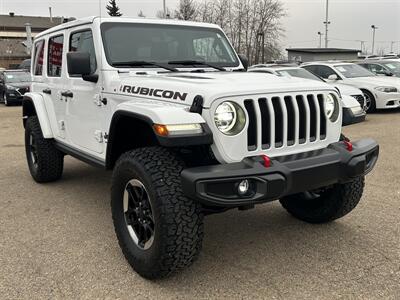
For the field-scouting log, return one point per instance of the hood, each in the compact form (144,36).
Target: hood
(347,90)
(184,87)
(19,84)
(375,81)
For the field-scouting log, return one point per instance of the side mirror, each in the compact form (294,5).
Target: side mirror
(79,64)
(333,77)
(244,60)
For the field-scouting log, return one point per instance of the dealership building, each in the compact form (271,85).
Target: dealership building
(321,54)
(13,32)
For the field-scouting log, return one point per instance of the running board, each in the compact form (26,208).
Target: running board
(94,161)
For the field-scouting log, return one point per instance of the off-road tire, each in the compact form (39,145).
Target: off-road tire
(332,204)
(50,161)
(372,107)
(178,220)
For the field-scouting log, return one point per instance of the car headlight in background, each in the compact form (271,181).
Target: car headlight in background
(229,118)
(332,107)
(386,89)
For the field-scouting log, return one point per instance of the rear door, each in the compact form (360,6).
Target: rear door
(85,112)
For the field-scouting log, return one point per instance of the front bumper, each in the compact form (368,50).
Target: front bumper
(349,117)
(218,185)
(14,98)
(387,100)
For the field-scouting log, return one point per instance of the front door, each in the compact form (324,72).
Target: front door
(85,112)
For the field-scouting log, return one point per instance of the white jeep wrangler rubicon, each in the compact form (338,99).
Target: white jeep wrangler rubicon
(169,106)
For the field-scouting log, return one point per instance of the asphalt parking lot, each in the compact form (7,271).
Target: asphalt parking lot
(57,240)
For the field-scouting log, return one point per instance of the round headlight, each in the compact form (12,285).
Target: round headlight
(229,118)
(331,107)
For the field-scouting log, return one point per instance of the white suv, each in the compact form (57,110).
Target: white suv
(168,107)
(380,92)
(353,100)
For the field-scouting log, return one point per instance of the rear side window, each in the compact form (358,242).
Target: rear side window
(82,41)
(38,58)
(54,60)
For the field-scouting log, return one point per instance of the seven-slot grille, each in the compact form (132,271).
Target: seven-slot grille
(285,120)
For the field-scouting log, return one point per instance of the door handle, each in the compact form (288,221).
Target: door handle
(47,91)
(68,94)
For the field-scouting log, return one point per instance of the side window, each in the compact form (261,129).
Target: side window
(324,71)
(54,60)
(82,41)
(38,58)
(376,68)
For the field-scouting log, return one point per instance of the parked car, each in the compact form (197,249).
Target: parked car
(353,100)
(166,105)
(13,85)
(382,67)
(380,92)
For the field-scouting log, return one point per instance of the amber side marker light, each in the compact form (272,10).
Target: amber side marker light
(161,129)
(178,129)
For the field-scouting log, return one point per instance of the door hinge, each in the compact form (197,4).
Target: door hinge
(98,135)
(97,99)
(61,125)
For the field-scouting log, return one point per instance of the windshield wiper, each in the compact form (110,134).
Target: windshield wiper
(194,63)
(137,63)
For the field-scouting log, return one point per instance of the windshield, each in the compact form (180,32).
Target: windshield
(301,73)
(132,42)
(353,71)
(393,66)
(14,77)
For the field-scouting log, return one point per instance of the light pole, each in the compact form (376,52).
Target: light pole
(320,38)
(326,23)
(373,38)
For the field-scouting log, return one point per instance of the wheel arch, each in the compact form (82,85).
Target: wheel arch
(33,105)
(128,131)
(131,130)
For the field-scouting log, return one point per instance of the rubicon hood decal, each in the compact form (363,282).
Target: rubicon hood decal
(159,93)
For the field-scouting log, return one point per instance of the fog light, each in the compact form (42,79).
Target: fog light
(243,187)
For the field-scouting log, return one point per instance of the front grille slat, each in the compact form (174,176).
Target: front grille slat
(265,123)
(252,129)
(291,121)
(279,122)
(285,120)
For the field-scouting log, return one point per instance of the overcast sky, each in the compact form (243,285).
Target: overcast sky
(351,20)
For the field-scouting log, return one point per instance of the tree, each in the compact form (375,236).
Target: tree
(186,10)
(113,9)
(141,14)
(253,26)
